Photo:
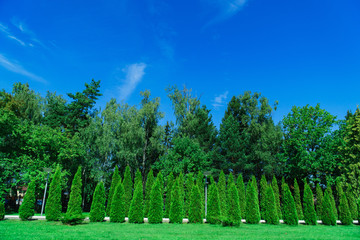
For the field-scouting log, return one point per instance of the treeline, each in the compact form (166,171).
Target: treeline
(309,144)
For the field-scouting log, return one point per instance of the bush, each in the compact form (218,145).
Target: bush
(352,203)
(195,210)
(233,216)
(213,206)
(319,199)
(309,210)
(271,216)
(136,212)
(138,177)
(117,213)
(53,204)
(26,209)
(290,214)
(252,213)
(275,188)
(169,185)
(97,211)
(327,217)
(128,190)
(2,210)
(149,185)
(188,192)
(222,193)
(344,212)
(297,200)
(74,212)
(114,183)
(263,187)
(177,204)
(332,200)
(156,203)
(201,185)
(241,190)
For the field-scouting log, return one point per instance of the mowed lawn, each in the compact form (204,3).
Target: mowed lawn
(37,229)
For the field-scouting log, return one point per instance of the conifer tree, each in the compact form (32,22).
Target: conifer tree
(241,190)
(319,199)
(156,203)
(358,207)
(177,202)
(138,177)
(136,211)
(161,181)
(182,190)
(352,203)
(26,209)
(53,205)
(222,193)
(74,212)
(169,185)
(253,179)
(339,190)
(332,200)
(128,190)
(114,183)
(275,188)
(213,207)
(230,179)
(97,211)
(117,213)
(234,213)
(148,188)
(252,213)
(327,217)
(344,212)
(201,186)
(309,210)
(195,211)
(297,199)
(263,187)
(2,210)
(188,192)
(290,214)
(271,215)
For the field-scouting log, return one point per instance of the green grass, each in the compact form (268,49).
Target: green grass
(16,229)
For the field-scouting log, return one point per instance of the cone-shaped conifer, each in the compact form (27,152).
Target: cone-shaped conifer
(275,188)
(53,204)
(136,211)
(188,192)
(339,190)
(138,177)
(74,212)
(114,183)
(253,179)
(149,184)
(230,179)
(319,199)
(213,206)
(27,207)
(344,212)
(222,193)
(117,213)
(241,190)
(200,182)
(177,204)
(195,211)
(2,210)
(169,184)
(352,203)
(156,203)
(297,199)
(263,187)
(309,210)
(234,213)
(290,214)
(271,216)
(97,211)
(327,217)
(252,213)
(128,188)
(332,200)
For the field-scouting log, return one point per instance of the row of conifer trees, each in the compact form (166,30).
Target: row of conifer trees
(228,201)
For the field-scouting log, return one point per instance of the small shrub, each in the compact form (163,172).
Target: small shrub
(213,206)
(297,200)
(252,214)
(290,214)
(344,212)
(149,185)
(177,204)
(2,210)
(117,213)
(327,217)
(275,188)
(195,209)
(309,210)
(271,216)
(136,212)
(114,183)
(234,214)
(53,204)
(97,211)
(156,203)
(319,199)
(241,190)
(352,203)
(222,193)
(27,207)
(169,185)
(128,190)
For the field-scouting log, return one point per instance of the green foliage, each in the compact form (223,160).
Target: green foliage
(319,199)
(2,210)
(97,212)
(213,206)
(156,203)
(332,200)
(195,210)
(114,183)
(53,204)
(290,214)
(309,210)
(230,179)
(275,188)
(297,199)
(169,184)
(344,212)
(181,187)
(177,204)
(128,188)
(271,216)
(188,192)
(241,190)
(138,177)
(74,212)
(117,213)
(352,203)
(327,217)
(136,212)
(222,193)
(263,187)
(200,182)
(149,185)
(161,181)
(233,216)
(26,209)
(252,213)
(339,190)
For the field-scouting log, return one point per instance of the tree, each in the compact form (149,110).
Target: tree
(290,215)
(252,213)
(263,187)
(344,212)
(26,209)
(200,183)
(332,200)
(275,188)
(148,189)
(233,216)
(114,183)
(156,203)
(309,210)
(97,212)
(352,203)
(136,212)
(339,190)
(213,212)
(138,178)
(241,190)
(117,210)
(53,205)
(222,193)
(177,204)
(188,192)
(319,199)
(169,184)
(271,216)
(297,199)
(128,188)
(74,212)
(2,210)
(195,210)
(327,217)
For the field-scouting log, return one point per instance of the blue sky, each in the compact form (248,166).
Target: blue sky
(296,52)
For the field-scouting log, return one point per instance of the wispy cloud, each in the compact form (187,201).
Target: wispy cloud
(5,30)
(134,74)
(13,66)
(219,101)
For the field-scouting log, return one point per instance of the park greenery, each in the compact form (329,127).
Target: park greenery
(121,162)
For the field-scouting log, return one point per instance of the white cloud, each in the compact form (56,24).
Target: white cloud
(5,30)
(219,100)
(134,75)
(17,68)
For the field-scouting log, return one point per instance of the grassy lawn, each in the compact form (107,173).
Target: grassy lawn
(15,229)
